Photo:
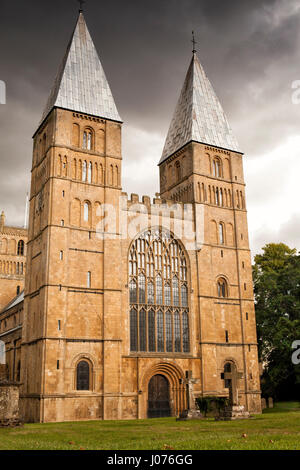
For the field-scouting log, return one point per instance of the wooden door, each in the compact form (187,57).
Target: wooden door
(158,397)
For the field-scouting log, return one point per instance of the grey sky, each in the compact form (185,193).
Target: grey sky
(250,51)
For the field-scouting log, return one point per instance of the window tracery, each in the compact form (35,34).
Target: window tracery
(158,294)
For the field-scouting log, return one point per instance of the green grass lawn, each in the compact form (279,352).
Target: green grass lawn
(277,428)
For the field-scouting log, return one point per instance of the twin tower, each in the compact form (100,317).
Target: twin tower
(117,326)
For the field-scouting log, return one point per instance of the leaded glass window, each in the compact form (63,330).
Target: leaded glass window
(21,248)
(150,291)
(90,173)
(86,212)
(133,329)
(151,330)
(133,291)
(175,291)
(160,331)
(185,332)
(184,295)
(221,233)
(84,144)
(83,376)
(142,286)
(222,288)
(177,333)
(169,345)
(167,294)
(142,326)
(84,170)
(89,142)
(158,294)
(158,290)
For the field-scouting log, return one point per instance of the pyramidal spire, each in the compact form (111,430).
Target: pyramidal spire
(81,84)
(198,116)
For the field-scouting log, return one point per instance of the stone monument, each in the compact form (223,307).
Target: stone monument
(191,412)
(9,400)
(234,410)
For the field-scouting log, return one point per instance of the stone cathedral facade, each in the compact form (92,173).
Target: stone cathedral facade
(128,299)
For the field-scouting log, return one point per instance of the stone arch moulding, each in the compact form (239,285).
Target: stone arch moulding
(81,357)
(175,376)
(224,276)
(230,359)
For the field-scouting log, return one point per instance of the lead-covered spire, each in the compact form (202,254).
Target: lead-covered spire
(81,84)
(198,116)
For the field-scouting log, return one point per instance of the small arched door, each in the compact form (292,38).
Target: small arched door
(158,397)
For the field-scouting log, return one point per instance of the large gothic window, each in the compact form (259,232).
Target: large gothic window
(158,294)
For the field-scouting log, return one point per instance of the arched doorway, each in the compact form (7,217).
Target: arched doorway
(158,397)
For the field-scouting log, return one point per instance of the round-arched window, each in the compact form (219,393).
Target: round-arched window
(83,376)
(21,248)
(222,287)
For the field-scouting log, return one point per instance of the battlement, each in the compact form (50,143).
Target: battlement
(157,205)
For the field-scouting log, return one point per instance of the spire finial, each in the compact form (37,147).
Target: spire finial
(194,43)
(81,3)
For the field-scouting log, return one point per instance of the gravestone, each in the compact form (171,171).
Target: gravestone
(270,402)
(9,400)
(234,410)
(263,403)
(191,412)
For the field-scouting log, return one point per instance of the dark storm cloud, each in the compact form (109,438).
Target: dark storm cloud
(249,49)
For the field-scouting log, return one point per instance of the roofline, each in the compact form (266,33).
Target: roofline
(15,226)
(8,332)
(197,142)
(72,111)
(10,304)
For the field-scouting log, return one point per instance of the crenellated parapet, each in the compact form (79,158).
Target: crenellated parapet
(156,205)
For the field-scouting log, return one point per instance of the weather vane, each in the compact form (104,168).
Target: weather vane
(194,43)
(81,3)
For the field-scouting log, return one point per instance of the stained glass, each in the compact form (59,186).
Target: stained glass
(142,327)
(160,331)
(169,345)
(151,330)
(155,259)
(83,376)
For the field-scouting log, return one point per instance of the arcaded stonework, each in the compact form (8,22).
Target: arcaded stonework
(12,261)
(106,324)
(11,320)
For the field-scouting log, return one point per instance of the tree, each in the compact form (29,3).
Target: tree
(276,276)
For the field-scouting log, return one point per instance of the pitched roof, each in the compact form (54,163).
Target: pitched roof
(81,84)
(17,300)
(198,116)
